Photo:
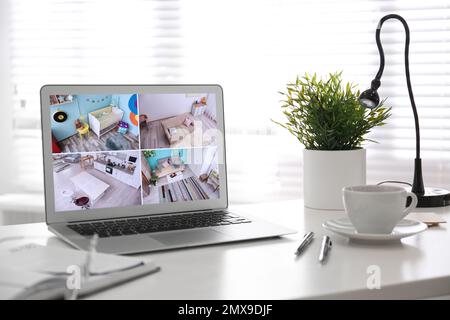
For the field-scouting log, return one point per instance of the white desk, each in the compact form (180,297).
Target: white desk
(16,208)
(418,267)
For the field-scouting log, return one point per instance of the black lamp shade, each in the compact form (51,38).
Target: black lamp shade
(369,98)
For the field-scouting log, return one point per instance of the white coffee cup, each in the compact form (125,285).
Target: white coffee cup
(376,209)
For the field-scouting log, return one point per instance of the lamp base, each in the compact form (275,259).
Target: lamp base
(433,198)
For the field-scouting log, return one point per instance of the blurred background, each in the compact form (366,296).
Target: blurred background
(253,48)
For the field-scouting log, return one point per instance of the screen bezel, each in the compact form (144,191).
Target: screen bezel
(140,210)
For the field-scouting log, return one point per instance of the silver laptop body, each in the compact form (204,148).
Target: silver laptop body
(142,166)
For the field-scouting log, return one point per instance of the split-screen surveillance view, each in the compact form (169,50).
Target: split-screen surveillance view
(119,150)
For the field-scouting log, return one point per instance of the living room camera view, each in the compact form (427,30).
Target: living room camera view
(85,123)
(176,175)
(96,180)
(177,120)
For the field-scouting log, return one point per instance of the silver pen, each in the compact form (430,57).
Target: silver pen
(307,238)
(86,268)
(325,248)
(88,262)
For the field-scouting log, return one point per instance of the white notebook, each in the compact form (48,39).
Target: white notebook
(32,271)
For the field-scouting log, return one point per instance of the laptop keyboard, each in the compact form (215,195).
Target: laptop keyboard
(115,228)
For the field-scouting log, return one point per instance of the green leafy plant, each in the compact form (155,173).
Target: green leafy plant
(149,153)
(153,179)
(327,115)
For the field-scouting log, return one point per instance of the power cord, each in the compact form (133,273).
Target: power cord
(394,181)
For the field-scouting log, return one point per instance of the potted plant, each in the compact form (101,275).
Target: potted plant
(149,153)
(153,178)
(327,118)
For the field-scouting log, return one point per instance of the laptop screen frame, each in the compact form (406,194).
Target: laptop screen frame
(132,211)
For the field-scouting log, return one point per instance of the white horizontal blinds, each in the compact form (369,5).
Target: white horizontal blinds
(77,41)
(429,63)
(256,49)
(135,41)
(253,48)
(231,44)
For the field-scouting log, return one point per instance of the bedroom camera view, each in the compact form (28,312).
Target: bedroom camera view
(119,150)
(84,123)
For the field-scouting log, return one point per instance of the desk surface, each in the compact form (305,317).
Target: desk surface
(416,267)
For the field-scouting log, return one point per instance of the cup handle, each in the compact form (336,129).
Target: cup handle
(412,205)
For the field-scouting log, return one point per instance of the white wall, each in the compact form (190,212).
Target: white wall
(6,107)
(211,108)
(201,160)
(161,106)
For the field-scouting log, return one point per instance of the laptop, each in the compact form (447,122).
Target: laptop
(141,166)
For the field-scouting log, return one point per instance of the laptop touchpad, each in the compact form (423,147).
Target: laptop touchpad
(189,237)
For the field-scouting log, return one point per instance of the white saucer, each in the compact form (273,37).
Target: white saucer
(405,228)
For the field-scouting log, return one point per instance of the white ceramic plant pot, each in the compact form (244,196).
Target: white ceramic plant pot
(325,173)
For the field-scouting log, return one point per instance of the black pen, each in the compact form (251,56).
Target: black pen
(307,238)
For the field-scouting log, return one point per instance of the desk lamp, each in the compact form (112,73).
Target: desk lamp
(427,197)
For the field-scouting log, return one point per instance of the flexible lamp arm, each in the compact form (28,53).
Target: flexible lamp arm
(376,82)
(370,98)
(430,197)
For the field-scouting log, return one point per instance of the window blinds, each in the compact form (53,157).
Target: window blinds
(253,48)
(78,41)
(259,46)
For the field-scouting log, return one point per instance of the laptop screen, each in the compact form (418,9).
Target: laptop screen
(135,149)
